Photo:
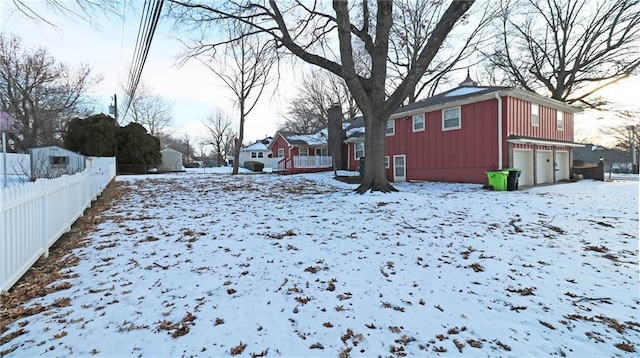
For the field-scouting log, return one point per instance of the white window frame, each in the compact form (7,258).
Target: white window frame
(418,116)
(535,115)
(260,155)
(319,152)
(280,152)
(254,155)
(446,110)
(356,150)
(387,165)
(391,128)
(306,152)
(559,120)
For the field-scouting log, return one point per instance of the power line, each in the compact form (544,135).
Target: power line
(146,30)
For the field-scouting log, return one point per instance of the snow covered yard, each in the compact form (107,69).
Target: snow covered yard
(265,265)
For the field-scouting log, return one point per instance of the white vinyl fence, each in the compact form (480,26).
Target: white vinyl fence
(34,215)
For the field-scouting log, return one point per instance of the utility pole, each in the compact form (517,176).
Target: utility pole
(114,109)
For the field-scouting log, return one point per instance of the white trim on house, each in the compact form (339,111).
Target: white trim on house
(535,115)
(356,150)
(544,142)
(399,162)
(390,129)
(445,119)
(413,121)
(559,120)
(513,92)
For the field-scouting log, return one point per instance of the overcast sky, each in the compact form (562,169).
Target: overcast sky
(108,46)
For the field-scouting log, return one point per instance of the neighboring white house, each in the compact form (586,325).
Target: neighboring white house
(171,161)
(257,152)
(52,162)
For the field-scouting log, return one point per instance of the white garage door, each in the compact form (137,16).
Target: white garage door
(544,167)
(523,160)
(562,166)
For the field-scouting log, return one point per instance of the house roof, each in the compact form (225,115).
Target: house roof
(468,92)
(168,150)
(355,131)
(257,146)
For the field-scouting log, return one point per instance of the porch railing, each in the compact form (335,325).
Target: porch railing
(297,162)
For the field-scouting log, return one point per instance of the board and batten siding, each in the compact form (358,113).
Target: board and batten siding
(517,113)
(458,155)
(279,143)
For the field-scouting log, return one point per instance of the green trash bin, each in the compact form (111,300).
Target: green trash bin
(498,179)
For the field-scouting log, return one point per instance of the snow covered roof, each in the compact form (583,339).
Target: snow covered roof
(315,139)
(257,146)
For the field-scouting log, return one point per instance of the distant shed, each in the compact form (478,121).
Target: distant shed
(52,162)
(171,161)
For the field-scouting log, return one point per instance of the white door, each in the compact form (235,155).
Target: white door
(523,160)
(399,168)
(544,167)
(562,166)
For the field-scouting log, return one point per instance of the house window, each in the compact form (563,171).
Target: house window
(304,152)
(359,152)
(418,122)
(451,119)
(535,115)
(559,120)
(280,152)
(386,162)
(58,161)
(391,127)
(322,152)
(254,155)
(260,155)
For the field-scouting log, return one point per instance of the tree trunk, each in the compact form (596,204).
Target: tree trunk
(375,176)
(236,155)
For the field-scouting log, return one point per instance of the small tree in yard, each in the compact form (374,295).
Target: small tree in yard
(137,150)
(219,133)
(93,136)
(309,31)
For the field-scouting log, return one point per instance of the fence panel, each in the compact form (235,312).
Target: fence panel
(34,215)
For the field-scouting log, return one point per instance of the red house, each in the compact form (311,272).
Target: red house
(458,135)
(300,153)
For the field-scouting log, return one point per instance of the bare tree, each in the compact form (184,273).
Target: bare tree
(219,133)
(569,50)
(42,94)
(150,110)
(244,68)
(308,31)
(83,10)
(412,27)
(318,91)
(626,132)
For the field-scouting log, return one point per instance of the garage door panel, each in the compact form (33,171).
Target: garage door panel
(562,168)
(523,160)
(544,167)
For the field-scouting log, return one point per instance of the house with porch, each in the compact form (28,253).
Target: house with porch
(300,153)
(458,135)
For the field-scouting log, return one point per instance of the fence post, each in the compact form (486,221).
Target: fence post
(44,200)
